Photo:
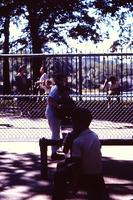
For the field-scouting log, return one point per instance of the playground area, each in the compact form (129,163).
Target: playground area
(20,164)
(20,160)
(22,121)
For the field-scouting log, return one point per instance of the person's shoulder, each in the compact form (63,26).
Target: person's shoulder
(95,138)
(18,76)
(93,133)
(44,75)
(54,90)
(90,134)
(77,141)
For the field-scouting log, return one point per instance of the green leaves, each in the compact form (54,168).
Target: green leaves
(56,20)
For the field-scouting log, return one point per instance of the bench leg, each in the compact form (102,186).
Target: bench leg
(43,153)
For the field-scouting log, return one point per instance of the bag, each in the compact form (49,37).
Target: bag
(65,109)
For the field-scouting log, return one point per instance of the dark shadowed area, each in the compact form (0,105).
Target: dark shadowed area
(21,180)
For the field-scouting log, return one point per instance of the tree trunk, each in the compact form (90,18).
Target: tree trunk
(36,43)
(6,71)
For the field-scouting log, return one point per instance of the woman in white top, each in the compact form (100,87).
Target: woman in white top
(113,88)
(44,83)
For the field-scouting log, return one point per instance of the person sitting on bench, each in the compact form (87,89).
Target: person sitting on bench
(84,167)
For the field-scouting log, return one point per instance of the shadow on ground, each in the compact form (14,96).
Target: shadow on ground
(20,177)
(120,175)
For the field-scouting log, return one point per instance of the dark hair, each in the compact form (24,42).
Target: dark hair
(112,78)
(82,116)
(44,68)
(21,67)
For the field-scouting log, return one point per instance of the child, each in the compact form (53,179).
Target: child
(84,167)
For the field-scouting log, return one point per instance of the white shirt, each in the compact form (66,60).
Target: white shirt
(43,77)
(87,147)
(42,80)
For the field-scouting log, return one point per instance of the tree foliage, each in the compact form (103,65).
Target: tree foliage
(120,11)
(55,20)
(49,21)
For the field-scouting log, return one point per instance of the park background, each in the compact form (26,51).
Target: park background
(88,41)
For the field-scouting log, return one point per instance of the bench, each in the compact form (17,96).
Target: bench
(44,143)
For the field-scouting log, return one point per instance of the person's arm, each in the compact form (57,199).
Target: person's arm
(19,84)
(75,163)
(48,83)
(105,84)
(42,80)
(52,102)
(68,141)
(39,83)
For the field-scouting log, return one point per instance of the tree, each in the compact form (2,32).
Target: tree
(8,9)
(47,20)
(120,11)
(5,21)
(54,21)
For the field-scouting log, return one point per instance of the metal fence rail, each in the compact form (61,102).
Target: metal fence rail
(86,72)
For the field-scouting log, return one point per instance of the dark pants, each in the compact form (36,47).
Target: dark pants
(93,184)
(23,104)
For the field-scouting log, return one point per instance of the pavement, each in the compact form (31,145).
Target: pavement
(20,177)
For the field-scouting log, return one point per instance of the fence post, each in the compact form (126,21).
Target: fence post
(80,74)
(43,154)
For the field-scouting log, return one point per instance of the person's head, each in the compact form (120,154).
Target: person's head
(112,79)
(81,119)
(60,79)
(42,70)
(64,91)
(22,69)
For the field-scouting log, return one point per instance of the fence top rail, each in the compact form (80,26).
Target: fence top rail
(64,55)
(16,95)
(72,95)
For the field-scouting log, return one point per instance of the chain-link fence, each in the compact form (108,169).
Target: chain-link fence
(23,117)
